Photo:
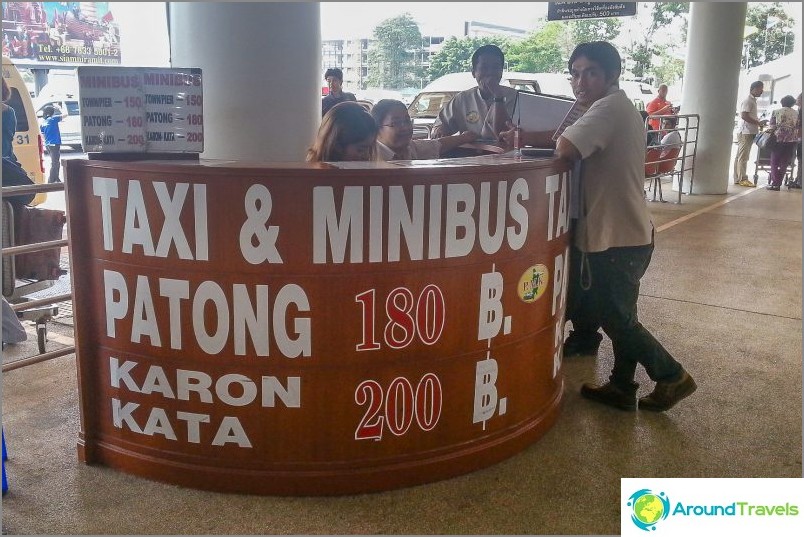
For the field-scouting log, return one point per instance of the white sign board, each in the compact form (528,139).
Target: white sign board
(141,109)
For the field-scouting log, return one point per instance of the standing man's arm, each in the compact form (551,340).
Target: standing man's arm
(748,118)
(567,151)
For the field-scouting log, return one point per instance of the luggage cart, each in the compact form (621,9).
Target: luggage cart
(763,163)
(17,286)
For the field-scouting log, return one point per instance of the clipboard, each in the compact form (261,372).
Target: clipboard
(575,111)
(536,112)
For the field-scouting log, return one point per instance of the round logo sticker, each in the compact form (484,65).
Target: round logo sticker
(472,117)
(533,283)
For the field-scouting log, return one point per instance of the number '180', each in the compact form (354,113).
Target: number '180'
(407,318)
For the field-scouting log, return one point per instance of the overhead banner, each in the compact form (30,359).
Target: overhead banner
(61,32)
(565,11)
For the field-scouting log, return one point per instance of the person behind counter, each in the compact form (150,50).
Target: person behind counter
(395,139)
(347,133)
(469,109)
(613,237)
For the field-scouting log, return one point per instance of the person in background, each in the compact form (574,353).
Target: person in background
(469,109)
(50,129)
(749,128)
(651,136)
(13,331)
(395,139)
(659,106)
(9,125)
(334,78)
(613,237)
(784,122)
(672,137)
(347,133)
(797,182)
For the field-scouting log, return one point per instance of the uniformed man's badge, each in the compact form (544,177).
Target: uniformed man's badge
(472,117)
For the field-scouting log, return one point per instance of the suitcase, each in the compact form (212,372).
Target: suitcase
(32,225)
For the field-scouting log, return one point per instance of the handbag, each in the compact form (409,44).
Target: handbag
(14,175)
(766,140)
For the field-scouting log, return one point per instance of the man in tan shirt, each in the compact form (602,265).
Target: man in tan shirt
(749,128)
(613,239)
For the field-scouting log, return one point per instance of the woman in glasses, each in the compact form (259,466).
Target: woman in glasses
(347,133)
(395,137)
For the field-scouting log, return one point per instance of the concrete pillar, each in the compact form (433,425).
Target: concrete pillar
(261,64)
(40,79)
(711,79)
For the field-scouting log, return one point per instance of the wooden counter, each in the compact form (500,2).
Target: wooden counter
(306,329)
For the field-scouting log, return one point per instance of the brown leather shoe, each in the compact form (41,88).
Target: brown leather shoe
(666,394)
(611,395)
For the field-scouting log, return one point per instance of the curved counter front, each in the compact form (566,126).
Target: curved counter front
(311,330)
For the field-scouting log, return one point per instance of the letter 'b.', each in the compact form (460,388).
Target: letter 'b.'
(490,317)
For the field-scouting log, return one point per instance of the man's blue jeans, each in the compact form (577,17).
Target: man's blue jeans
(610,302)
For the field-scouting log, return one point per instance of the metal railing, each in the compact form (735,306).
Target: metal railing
(687,125)
(27,305)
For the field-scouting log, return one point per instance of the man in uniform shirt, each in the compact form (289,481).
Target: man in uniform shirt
(749,128)
(469,110)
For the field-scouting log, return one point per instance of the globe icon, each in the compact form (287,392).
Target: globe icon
(648,509)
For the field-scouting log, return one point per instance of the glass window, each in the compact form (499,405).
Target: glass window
(429,104)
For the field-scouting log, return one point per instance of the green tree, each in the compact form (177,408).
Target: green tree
(583,31)
(540,52)
(774,36)
(643,51)
(455,55)
(669,69)
(392,56)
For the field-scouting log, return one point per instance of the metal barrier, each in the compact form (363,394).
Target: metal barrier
(29,305)
(687,126)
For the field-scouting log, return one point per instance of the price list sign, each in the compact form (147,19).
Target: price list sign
(141,110)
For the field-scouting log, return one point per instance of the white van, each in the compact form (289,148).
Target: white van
(639,92)
(425,107)
(28,145)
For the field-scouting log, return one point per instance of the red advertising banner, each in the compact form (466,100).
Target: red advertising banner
(300,330)
(73,33)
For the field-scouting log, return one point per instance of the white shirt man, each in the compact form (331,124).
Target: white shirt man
(749,128)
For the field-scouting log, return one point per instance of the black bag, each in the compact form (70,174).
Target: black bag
(14,175)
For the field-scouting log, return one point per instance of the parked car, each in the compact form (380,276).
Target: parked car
(425,107)
(70,125)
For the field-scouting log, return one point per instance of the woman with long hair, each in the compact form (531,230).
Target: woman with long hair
(347,133)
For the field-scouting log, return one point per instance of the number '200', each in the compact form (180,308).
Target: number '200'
(396,408)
